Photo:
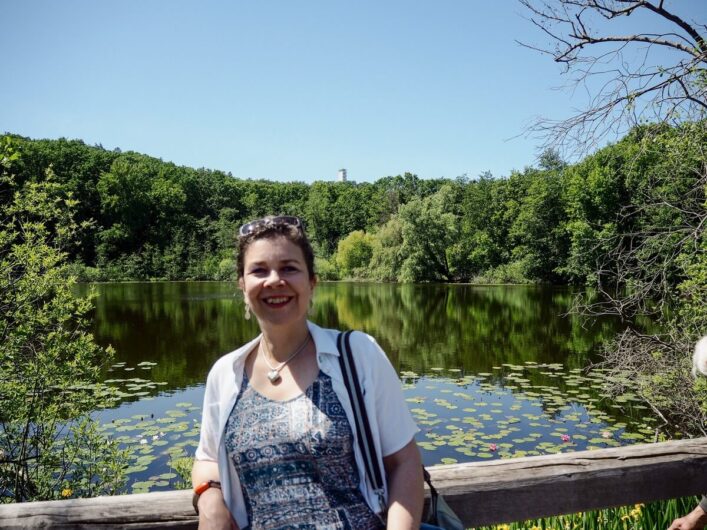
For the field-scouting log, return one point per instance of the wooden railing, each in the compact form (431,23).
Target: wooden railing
(481,492)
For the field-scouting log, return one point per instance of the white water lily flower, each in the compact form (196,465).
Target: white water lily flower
(699,358)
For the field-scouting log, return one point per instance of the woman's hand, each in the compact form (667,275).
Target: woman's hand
(213,513)
(405,488)
(695,520)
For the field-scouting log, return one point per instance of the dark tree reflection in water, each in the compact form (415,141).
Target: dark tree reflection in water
(488,371)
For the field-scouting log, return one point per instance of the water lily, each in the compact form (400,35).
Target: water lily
(143,441)
(493,447)
(606,434)
(565,437)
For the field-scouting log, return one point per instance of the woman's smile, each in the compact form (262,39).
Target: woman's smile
(277,301)
(276,282)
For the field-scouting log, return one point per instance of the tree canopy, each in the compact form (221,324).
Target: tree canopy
(143,218)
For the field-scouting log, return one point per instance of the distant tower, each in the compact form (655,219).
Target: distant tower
(342,175)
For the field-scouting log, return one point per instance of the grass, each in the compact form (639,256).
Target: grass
(653,516)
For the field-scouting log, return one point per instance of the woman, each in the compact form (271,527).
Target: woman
(276,426)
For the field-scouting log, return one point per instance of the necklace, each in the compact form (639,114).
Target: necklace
(274,373)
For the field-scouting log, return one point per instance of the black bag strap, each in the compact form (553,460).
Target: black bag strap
(432,510)
(363,428)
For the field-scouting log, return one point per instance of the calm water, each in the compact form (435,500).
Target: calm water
(489,372)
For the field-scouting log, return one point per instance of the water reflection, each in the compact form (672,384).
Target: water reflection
(488,372)
(184,327)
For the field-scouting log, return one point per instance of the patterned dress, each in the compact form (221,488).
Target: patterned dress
(295,461)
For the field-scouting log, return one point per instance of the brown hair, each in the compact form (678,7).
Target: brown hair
(292,233)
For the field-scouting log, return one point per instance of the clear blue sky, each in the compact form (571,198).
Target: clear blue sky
(285,90)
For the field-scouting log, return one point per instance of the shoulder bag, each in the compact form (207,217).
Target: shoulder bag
(439,514)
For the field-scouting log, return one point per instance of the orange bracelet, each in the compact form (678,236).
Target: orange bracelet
(201,488)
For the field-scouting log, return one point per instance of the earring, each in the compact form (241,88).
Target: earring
(247,311)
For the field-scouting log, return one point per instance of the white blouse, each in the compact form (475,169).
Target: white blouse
(392,425)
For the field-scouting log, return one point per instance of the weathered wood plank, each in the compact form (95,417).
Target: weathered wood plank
(525,488)
(166,509)
(481,492)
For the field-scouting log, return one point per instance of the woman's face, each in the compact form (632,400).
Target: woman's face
(276,281)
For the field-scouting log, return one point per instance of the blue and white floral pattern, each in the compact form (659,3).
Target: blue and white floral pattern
(295,461)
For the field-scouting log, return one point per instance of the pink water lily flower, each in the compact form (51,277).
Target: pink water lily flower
(565,437)
(493,447)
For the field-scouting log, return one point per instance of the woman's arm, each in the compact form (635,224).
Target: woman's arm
(695,520)
(213,513)
(405,487)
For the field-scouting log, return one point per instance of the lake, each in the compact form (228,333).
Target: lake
(488,371)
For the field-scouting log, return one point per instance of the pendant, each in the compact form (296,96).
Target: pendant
(274,376)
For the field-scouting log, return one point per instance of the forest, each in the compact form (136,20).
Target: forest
(143,218)
(625,224)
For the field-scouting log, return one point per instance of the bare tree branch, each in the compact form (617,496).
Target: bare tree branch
(583,37)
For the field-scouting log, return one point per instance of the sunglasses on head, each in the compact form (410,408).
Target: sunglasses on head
(259,224)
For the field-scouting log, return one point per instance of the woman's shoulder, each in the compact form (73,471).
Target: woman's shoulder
(359,340)
(365,348)
(226,364)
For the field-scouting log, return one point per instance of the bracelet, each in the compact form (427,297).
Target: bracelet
(201,488)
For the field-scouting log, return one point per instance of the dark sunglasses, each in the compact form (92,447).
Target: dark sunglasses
(259,224)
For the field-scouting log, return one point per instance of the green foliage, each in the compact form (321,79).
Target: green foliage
(429,229)
(513,273)
(325,269)
(386,256)
(537,233)
(335,209)
(182,467)
(149,219)
(49,363)
(354,253)
(483,243)
(651,262)
(655,515)
(559,223)
(691,316)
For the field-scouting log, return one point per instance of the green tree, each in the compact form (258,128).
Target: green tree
(335,209)
(652,263)
(537,234)
(386,251)
(429,228)
(483,239)
(354,253)
(77,167)
(49,363)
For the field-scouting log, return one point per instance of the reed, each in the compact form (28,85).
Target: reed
(652,516)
